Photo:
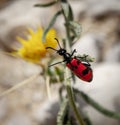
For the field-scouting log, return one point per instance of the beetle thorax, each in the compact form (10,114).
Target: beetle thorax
(66,56)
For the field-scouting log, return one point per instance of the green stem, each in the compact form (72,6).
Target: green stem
(97,106)
(68,38)
(62,112)
(72,101)
(68,31)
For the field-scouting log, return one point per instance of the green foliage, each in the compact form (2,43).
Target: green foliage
(97,106)
(67,11)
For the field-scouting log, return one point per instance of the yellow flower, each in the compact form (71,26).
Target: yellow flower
(33,49)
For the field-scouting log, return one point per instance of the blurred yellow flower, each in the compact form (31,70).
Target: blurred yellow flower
(33,49)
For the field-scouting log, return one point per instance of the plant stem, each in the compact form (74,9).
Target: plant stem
(72,101)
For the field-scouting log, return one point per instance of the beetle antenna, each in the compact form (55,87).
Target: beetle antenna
(51,48)
(58,43)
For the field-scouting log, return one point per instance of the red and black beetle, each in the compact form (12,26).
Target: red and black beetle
(79,68)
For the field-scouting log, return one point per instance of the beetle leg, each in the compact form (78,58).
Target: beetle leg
(74,51)
(56,63)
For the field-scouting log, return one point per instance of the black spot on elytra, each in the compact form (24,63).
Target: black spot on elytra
(75,67)
(84,72)
(78,62)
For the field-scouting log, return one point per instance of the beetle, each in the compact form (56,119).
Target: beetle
(75,64)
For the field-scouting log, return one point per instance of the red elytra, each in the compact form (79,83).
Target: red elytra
(80,69)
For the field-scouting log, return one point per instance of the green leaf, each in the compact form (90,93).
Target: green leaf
(46,5)
(67,11)
(75,28)
(60,73)
(97,106)
(50,24)
(71,17)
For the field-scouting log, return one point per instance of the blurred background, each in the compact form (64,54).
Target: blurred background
(100,38)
